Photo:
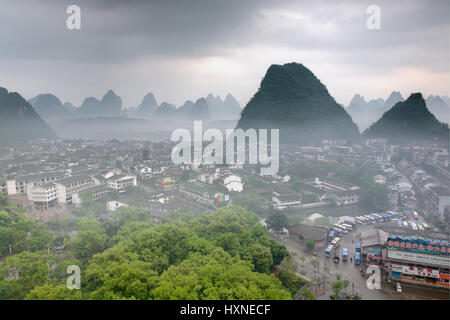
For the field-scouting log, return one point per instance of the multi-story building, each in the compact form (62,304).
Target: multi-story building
(418,260)
(438,200)
(23,183)
(121,181)
(95,192)
(43,196)
(67,187)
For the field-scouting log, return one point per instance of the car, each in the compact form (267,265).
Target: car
(399,287)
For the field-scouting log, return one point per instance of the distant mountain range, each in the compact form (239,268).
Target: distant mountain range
(19,122)
(292,99)
(409,121)
(50,108)
(366,113)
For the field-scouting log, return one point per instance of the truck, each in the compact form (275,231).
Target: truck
(344,254)
(357,257)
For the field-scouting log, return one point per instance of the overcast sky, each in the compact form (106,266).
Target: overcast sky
(185,49)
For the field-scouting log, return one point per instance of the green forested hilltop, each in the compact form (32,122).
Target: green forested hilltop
(293,100)
(226,254)
(409,121)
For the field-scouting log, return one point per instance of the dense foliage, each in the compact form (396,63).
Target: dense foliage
(226,254)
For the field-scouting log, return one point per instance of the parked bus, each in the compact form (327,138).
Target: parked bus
(357,257)
(329,250)
(344,228)
(351,223)
(348,226)
(420,227)
(358,247)
(341,227)
(414,226)
(377,217)
(370,218)
(330,235)
(425,225)
(361,220)
(344,254)
(336,242)
(338,231)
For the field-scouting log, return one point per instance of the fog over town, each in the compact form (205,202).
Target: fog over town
(224,150)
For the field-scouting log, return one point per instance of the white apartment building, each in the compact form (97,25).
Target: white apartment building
(120,182)
(67,187)
(43,196)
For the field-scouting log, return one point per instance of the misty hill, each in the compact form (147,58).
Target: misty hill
(185,109)
(148,106)
(366,113)
(291,98)
(227,109)
(69,106)
(409,121)
(19,122)
(439,108)
(394,98)
(109,106)
(166,111)
(49,107)
(199,111)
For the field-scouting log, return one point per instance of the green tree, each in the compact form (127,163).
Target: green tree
(24,271)
(53,292)
(277,221)
(310,244)
(91,239)
(217,276)
(262,258)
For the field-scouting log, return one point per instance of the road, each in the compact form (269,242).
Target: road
(348,271)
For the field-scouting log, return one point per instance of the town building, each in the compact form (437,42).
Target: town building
(43,196)
(308,232)
(233,183)
(121,181)
(418,261)
(67,187)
